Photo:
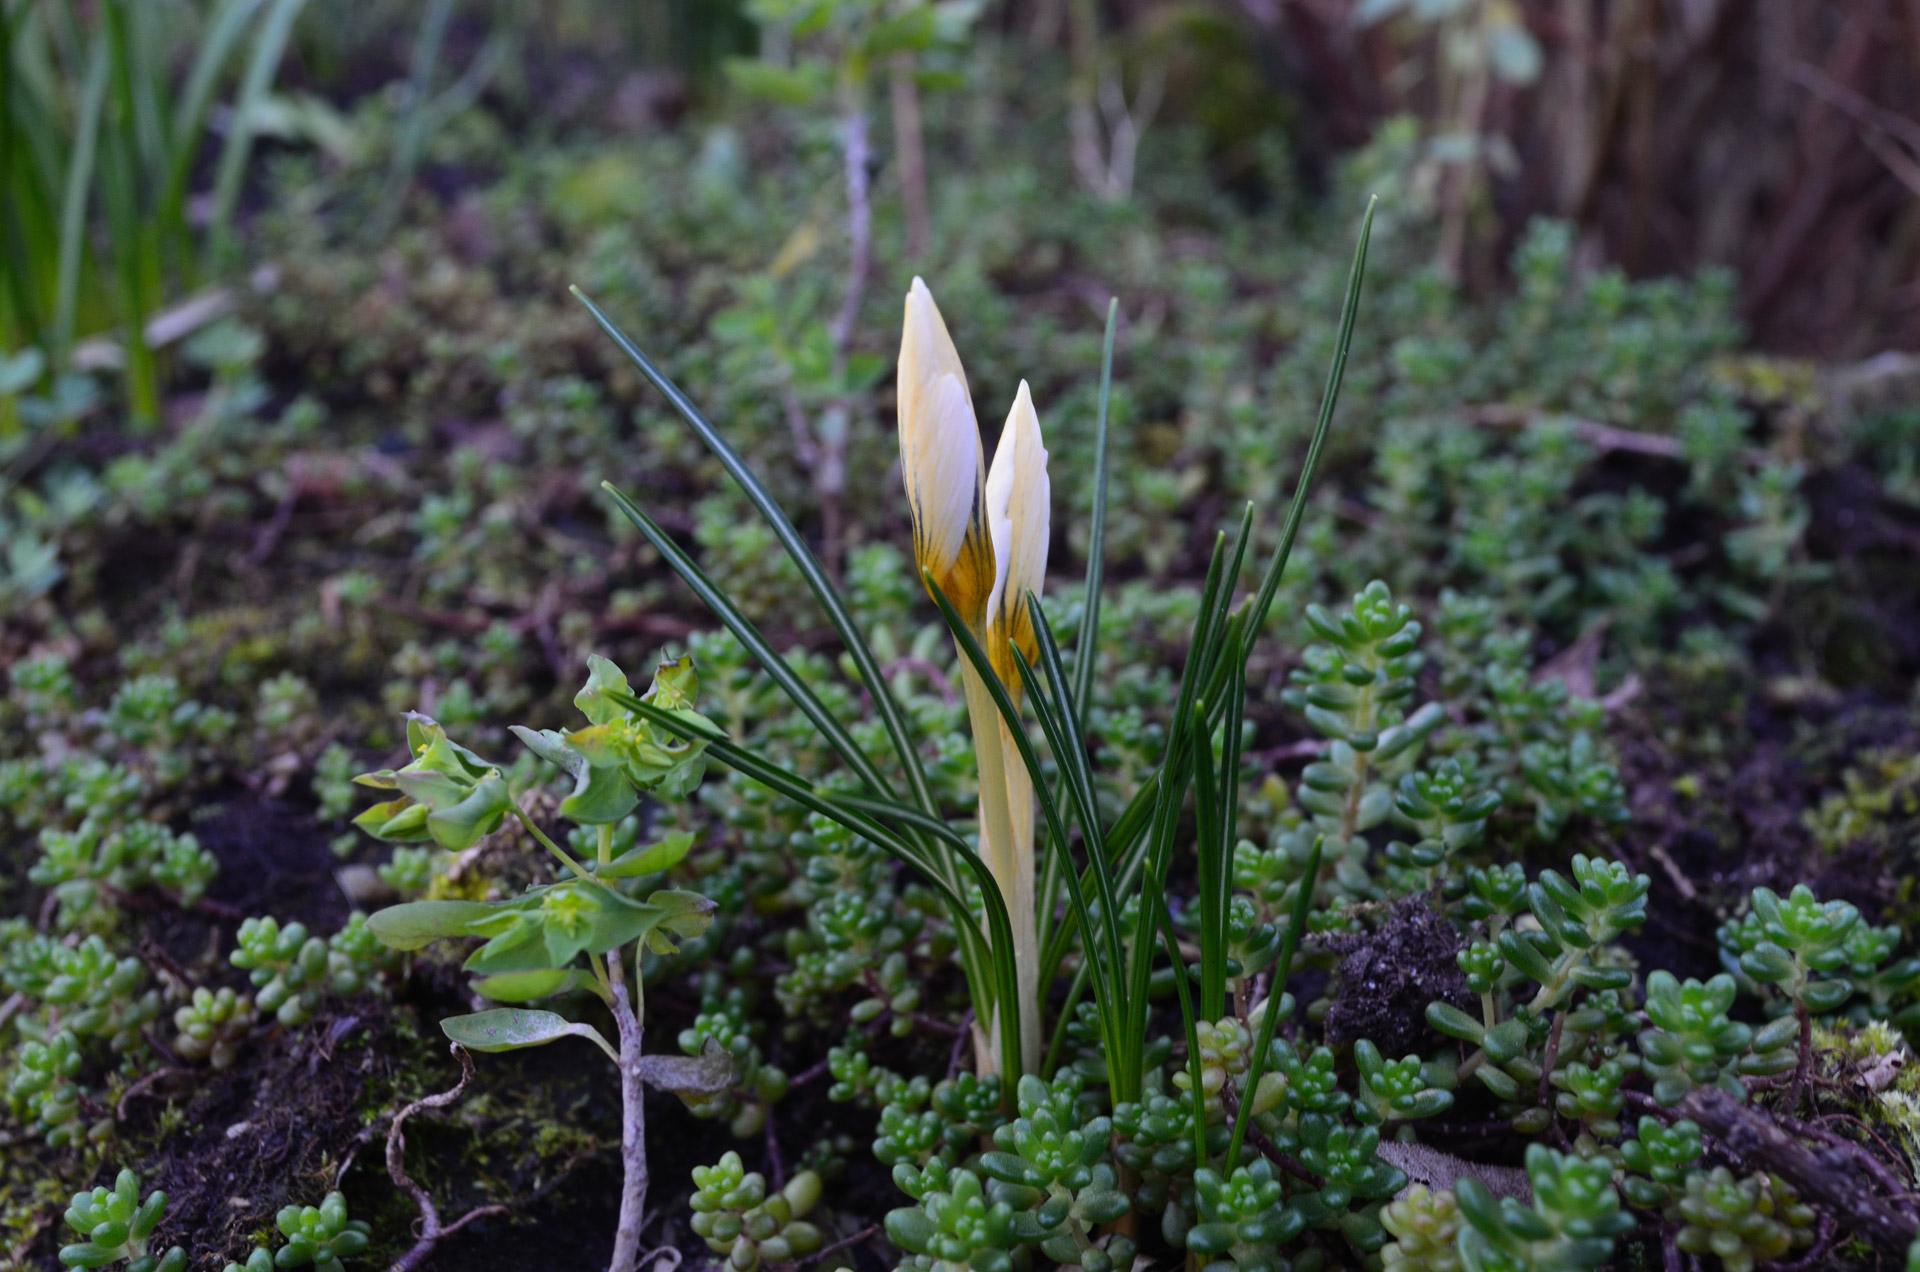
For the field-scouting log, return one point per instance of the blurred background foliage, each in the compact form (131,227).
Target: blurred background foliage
(1632,367)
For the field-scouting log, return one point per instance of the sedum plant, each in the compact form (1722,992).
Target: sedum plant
(734,1215)
(212,1025)
(118,1227)
(1572,1224)
(1425,1226)
(320,1237)
(1740,1221)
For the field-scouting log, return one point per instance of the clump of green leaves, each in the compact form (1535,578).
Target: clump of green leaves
(93,865)
(1741,1221)
(118,1227)
(320,1237)
(1425,1226)
(212,1025)
(734,1215)
(1572,1224)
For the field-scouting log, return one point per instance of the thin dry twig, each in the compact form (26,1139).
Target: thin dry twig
(145,1084)
(1833,1175)
(432,1232)
(1602,437)
(11,1008)
(867,1233)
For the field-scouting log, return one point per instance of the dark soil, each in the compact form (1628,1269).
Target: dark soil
(1385,982)
(274,859)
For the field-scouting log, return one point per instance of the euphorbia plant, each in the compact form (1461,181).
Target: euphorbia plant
(575,933)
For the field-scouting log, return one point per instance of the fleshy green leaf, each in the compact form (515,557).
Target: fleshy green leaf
(511,1028)
(418,923)
(649,858)
(525,987)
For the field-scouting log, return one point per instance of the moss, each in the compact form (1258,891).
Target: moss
(1880,804)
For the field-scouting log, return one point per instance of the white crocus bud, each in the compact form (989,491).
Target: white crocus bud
(1019,495)
(942,462)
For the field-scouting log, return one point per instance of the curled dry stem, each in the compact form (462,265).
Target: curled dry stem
(432,1231)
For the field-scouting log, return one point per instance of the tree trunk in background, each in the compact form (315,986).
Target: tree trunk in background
(910,144)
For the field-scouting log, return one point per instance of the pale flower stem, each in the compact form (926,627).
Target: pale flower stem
(1026,934)
(1000,846)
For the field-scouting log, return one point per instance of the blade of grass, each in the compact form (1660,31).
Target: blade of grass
(270,42)
(1053,723)
(1171,798)
(1196,1069)
(847,812)
(121,197)
(743,629)
(1086,642)
(1230,747)
(223,34)
(1213,937)
(1282,966)
(1329,397)
(892,717)
(149,117)
(73,202)
(412,132)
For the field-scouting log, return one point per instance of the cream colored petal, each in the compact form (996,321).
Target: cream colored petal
(942,471)
(926,354)
(1001,529)
(1019,496)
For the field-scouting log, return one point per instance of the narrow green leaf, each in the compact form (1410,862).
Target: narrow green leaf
(891,714)
(1276,997)
(270,42)
(1213,937)
(648,858)
(1087,640)
(1329,397)
(73,204)
(846,811)
(1196,1077)
(790,683)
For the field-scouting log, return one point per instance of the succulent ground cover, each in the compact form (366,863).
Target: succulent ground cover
(1535,892)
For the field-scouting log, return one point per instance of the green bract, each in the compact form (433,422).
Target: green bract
(447,793)
(620,754)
